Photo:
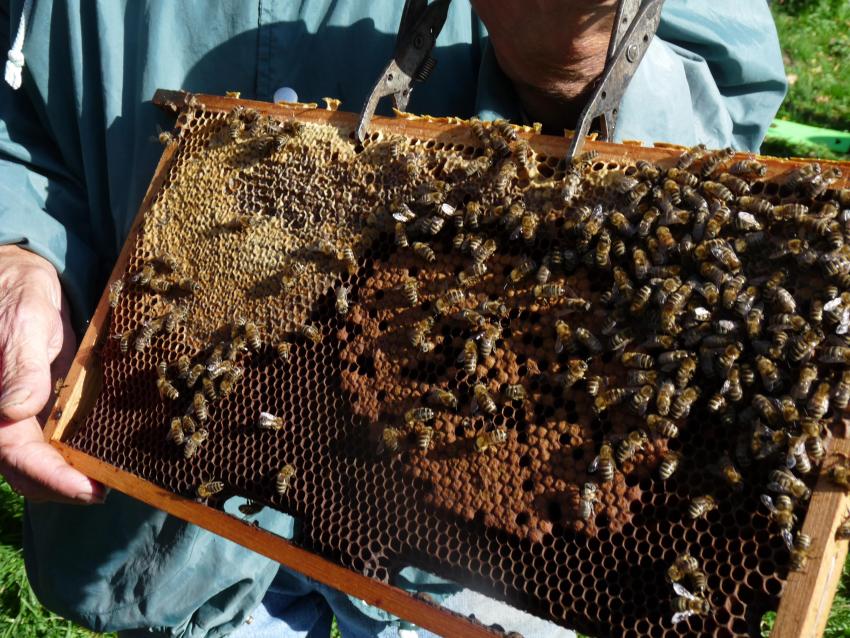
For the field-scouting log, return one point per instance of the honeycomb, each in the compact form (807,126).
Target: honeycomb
(304,304)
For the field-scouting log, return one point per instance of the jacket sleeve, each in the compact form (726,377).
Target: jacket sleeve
(713,75)
(42,205)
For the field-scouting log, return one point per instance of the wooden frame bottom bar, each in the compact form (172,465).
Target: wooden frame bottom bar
(392,599)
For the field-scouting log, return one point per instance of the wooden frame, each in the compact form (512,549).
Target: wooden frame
(808,595)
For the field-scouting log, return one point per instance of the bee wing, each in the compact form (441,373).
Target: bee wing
(768,503)
(680,616)
(594,465)
(773,486)
(681,591)
(789,540)
(790,460)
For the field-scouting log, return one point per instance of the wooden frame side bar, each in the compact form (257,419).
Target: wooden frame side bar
(807,599)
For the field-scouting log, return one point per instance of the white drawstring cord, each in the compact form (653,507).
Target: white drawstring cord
(15,62)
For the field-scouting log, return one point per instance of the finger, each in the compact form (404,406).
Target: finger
(33,336)
(36,470)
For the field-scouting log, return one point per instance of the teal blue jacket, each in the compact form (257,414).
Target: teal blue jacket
(76,156)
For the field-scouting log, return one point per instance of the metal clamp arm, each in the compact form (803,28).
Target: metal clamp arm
(630,40)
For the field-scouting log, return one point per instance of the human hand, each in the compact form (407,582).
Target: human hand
(552,50)
(34,332)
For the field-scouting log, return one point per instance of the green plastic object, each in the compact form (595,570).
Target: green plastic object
(794,133)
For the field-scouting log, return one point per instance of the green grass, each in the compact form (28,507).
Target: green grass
(815,37)
(21,615)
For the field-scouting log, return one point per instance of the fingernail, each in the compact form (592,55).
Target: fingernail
(14,397)
(95,494)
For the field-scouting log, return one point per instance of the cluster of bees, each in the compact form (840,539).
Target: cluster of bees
(711,293)
(711,304)
(208,377)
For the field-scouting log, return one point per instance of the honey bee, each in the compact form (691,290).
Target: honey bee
(252,335)
(815,185)
(469,356)
(166,389)
(311,332)
(391,439)
(189,424)
(209,388)
(250,508)
(640,399)
(662,426)
(209,488)
(842,533)
(424,437)
(175,432)
(199,405)
(194,374)
(424,251)
(576,369)
(401,235)
(637,360)
(487,339)
(669,464)
(818,404)
(284,350)
(841,394)
(587,500)
(781,513)
(483,400)
(491,308)
(604,462)
(640,262)
(190,448)
(115,289)
(718,191)
(522,270)
(642,377)
(491,438)
(418,415)
(782,481)
(514,392)
(800,552)
(769,373)
(685,372)
(443,398)
(686,604)
(664,397)
(283,479)
(701,505)
(748,168)
(631,445)
(682,567)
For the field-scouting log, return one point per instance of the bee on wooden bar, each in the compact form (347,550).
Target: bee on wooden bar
(283,479)
(587,500)
(748,168)
(190,448)
(800,552)
(210,488)
(842,533)
(491,438)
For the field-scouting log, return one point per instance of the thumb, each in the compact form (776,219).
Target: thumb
(33,336)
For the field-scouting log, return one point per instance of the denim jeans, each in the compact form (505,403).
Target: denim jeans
(298,607)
